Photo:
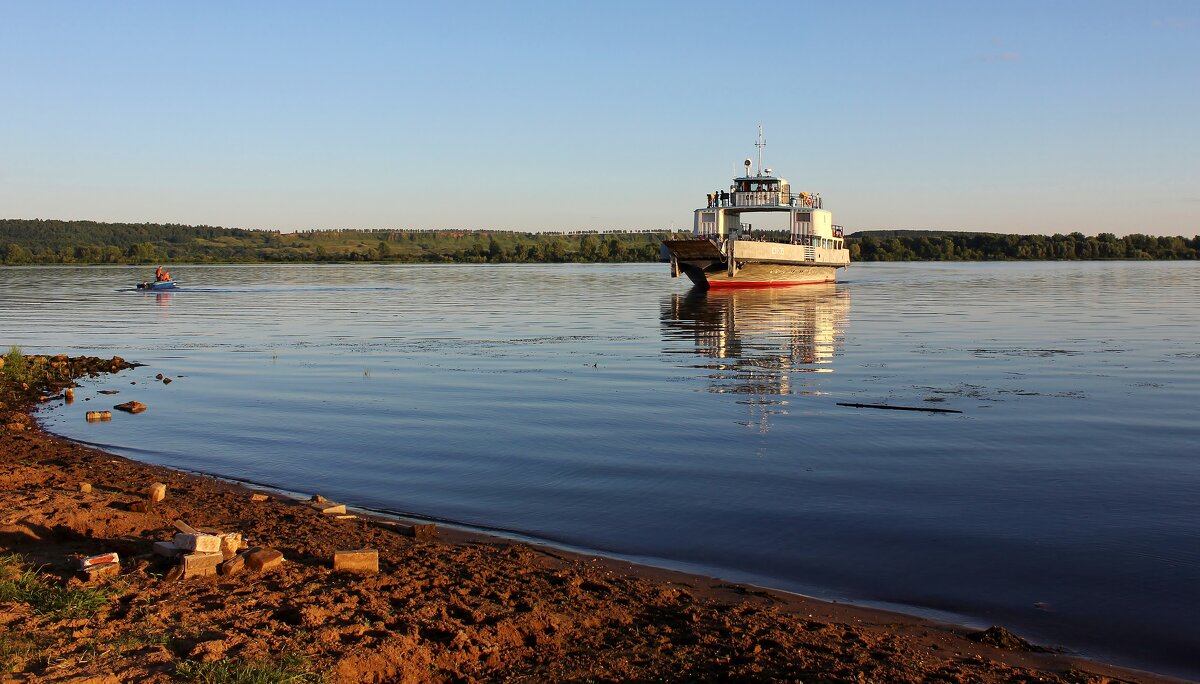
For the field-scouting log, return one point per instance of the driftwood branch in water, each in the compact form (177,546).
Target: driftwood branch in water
(899,408)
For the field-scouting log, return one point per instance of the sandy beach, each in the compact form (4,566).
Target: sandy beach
(445,605)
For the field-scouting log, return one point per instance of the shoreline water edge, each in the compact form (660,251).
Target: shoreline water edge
(322,594)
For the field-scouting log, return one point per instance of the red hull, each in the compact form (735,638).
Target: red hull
(730,284)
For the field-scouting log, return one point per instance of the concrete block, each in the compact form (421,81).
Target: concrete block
(157,492)
(259,497)
(92,561)
(365,561)
(98,572)
(200,564)
(329,508)
(94,416)
(168,549)
(200,543)
(85,487)
(260,559)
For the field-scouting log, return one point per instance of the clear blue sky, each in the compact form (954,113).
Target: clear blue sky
(1020,116)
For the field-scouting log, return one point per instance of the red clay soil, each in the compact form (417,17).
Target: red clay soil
(461,607)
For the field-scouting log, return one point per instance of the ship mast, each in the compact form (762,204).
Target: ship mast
(760,145)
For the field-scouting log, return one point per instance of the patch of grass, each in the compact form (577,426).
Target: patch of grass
(15,651)
(46,598)
(14,365)
(290,669)
(140,638)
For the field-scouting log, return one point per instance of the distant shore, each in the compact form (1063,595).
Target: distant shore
(454,606)
(53,242)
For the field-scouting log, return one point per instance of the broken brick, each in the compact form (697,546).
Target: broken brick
(232,566)
(423,531)
(92,561)
(365,561)
(260,559)
(97,572)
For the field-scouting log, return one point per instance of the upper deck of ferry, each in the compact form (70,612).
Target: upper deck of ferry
(763,193)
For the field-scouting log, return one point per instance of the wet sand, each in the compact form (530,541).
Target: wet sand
(457,607)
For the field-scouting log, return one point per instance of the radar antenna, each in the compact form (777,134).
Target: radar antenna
(760,145)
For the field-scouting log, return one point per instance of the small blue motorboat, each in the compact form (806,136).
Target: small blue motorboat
(157,285)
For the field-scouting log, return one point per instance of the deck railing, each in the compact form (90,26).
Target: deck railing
(765,199)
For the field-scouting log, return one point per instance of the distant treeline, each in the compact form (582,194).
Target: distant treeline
(921,245)
(89,242)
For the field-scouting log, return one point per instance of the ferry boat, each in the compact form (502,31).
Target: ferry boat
(724,251)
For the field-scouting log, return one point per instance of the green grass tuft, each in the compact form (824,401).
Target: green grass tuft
(46,598)
(288,670)
(14,366)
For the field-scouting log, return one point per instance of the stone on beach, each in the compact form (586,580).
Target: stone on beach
(85,487)
(94,416)
(365,561)
(259,497)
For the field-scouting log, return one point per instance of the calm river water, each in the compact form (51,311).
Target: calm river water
(610,408)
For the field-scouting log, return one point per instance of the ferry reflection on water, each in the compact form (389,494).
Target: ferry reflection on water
(765,343)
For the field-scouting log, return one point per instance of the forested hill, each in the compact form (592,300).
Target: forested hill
(926,245)
(89,242)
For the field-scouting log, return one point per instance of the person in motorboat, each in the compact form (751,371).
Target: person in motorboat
(161,275)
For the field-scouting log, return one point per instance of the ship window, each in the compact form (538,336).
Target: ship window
(709,217)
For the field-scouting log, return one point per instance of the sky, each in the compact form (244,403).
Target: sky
(1009,116)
